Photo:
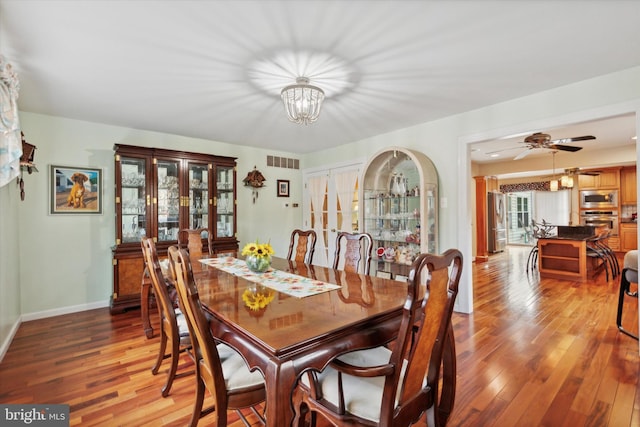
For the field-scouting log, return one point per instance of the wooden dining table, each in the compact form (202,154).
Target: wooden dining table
(291,335)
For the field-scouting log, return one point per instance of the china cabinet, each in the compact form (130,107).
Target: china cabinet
(157,193)
(399,195)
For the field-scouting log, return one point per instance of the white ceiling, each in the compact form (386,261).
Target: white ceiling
(214,69)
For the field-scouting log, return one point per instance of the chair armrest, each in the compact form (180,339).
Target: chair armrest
(362,371)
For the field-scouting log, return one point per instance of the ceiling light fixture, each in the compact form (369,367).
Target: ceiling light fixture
(302,101)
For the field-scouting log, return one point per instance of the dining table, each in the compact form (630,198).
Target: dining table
(285,331)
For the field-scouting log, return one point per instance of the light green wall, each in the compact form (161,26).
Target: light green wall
(9,269)
(73,253)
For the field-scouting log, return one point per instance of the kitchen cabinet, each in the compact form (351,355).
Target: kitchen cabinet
(399,195)
(602,179)
(157,193)
(628,186)
(628,236)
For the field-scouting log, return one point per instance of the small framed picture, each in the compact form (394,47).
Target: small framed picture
(283,188)
(75,190)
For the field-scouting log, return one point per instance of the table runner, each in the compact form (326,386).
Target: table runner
(281,281)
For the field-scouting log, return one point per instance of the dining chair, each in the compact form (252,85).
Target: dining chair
(628,276)
(393,387)
(191,240)
(304,242)
(357,248)
(174,330)
(219,368)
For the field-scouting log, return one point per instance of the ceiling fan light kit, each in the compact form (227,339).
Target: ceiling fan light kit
(302,101)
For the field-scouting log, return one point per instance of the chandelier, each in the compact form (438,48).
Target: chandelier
(302,101)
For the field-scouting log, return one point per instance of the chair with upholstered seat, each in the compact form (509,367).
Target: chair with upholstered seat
(174,331)
(304,242)
(394,387)
(628,276)
(356,248)
(219,368)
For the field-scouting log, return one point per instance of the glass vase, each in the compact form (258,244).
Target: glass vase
(258,264)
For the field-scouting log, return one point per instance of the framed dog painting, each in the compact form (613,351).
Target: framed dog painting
(75,190)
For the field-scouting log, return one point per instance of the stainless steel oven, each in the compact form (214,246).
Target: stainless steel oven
(599,199)
(598,218)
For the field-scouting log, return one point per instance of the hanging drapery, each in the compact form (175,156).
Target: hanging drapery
(317,187)
(346,184)
(10,141)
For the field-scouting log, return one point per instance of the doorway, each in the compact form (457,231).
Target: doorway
(519,215)
(331,206)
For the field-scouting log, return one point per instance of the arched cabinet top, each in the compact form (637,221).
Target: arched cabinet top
(399,208)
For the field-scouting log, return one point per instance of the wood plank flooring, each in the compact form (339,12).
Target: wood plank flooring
(534,353)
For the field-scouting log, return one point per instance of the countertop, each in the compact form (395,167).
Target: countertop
(577,237)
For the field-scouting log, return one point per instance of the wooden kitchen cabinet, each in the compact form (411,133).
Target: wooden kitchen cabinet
(628,236)
(605,179)
(628,186)
(157,193)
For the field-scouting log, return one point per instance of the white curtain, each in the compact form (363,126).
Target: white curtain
(552,206)
(345,188)
(10,140)
(317,187)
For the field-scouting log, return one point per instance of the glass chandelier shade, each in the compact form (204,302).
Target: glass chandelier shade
(302,101)
(566,181)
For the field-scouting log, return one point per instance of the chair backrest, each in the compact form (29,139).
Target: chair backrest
(191,240)
(204,346)
(165,303)
(357,248)
(432,290)
(304,242)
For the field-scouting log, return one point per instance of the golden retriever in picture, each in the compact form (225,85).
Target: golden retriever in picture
(76,197)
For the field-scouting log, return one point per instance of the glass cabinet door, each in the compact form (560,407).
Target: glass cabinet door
(224,202)
(198,185)
(168,202)
(133,198)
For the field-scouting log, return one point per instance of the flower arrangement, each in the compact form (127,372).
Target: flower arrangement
(257,299)
(258,256)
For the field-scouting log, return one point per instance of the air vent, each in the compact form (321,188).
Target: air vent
(283,162)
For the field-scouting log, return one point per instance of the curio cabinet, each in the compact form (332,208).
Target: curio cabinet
(159,192)
(400,211)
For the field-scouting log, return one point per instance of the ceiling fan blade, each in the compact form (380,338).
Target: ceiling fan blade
(504,149)
(574,139)
(560,147)
(523,154)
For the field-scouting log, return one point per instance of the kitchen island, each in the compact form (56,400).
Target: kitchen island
(564,255)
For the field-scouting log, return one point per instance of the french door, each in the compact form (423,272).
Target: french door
(331,206)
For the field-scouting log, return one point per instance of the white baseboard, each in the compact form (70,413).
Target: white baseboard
(9,338)
(63,310)
(43,315)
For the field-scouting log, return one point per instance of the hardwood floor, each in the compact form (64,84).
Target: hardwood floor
(533,353)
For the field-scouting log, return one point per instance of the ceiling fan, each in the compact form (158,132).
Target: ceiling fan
(544,141)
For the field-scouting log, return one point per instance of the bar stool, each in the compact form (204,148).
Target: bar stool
(629,275)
